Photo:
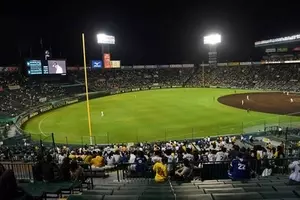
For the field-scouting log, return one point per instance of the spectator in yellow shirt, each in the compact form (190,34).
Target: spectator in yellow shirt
(72,156)
(88,158)
(160,170)
(98,161)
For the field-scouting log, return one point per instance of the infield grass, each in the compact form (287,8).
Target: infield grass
(166,114)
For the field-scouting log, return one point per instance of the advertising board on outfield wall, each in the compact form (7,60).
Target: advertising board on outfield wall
(245,63)
(175,66)
(231,64)
(115,63)
(222,64)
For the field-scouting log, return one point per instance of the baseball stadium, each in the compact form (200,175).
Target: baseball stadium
(214,130)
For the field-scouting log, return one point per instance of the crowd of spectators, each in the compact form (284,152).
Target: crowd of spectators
(19,93)
(182,158)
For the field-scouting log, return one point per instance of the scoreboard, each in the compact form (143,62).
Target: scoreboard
(46,67)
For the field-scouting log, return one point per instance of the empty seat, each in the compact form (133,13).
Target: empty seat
(194,197)
(188,192)
(245,185)
(259,189)
(102,187)
(85,197)
(157,197)
(237,196)
(224,190)
(269,195)
(286,188)
(215,186)
(272,184)
(98,192)
(184,186)
(127,192)
(121,197)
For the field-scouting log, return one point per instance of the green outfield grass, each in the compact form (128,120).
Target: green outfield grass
(167,114)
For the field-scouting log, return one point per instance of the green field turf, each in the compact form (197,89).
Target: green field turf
(167,114)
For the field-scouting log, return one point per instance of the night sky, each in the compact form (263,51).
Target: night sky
(147,32)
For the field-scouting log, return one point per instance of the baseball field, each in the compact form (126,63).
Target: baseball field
(166,114)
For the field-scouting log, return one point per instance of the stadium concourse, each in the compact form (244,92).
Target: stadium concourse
(190,169)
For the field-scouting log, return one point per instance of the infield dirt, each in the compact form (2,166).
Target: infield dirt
(267,102)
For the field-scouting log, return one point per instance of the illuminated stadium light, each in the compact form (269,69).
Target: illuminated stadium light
(105,39)
(212,39)
(292,38)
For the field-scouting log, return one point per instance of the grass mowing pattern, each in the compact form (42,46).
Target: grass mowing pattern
(167,114)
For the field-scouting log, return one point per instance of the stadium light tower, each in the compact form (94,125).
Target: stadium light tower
(104,39)
(212,41)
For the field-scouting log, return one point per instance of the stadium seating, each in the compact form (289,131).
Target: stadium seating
(273,187)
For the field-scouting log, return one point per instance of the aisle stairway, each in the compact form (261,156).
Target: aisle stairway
(274,188)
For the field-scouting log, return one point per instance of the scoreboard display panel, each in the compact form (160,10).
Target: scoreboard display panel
(45,67)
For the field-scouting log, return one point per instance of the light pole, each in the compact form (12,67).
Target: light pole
(212,41)
(101,39)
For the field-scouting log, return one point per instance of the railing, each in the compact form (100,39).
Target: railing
(211,170)
(22,171)
(126,171)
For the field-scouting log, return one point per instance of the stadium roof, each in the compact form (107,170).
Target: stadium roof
(277,41)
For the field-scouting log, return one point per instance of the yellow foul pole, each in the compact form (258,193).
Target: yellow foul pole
(87,90)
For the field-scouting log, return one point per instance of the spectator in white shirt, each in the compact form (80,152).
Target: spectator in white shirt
(294,178)
(110,159)
(61,158)
(211,156)
(156,157)
(221,155)
(117,157)
(188,155)
(132,161)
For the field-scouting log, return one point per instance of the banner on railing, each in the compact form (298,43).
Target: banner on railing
(43,99)
(256,63)
(163,66)
(126,67)
(138,66)
(204,65)
(188,65)
(245,63)
(232,64)
(150,66)
(176,66)
(135,89)
(222,64)
(44,109)
(33,114)
(14,87)
(58,104)
(72,101)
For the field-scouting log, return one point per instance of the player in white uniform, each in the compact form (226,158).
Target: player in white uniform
(294,178)
(287,93)
(102,114)
(242,102)
(248,97)
(292,100)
